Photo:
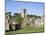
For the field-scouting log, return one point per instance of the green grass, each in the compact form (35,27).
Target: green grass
(27,30)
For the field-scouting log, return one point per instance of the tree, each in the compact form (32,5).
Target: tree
(19,19)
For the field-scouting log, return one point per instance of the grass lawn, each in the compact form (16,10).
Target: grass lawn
(26,30)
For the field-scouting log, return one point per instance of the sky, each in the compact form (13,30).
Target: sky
(35,8)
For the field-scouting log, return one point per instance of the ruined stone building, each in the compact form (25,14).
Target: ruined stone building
(31,21)
(27,21)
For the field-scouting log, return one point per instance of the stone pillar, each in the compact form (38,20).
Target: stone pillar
(6,24)
(23,25)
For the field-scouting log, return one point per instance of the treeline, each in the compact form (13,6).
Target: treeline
(19,14)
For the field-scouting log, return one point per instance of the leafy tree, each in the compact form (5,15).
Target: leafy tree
(19,19)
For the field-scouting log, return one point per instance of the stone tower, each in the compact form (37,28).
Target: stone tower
(24,19)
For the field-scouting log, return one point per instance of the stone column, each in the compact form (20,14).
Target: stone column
(23,25)
(6,24)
